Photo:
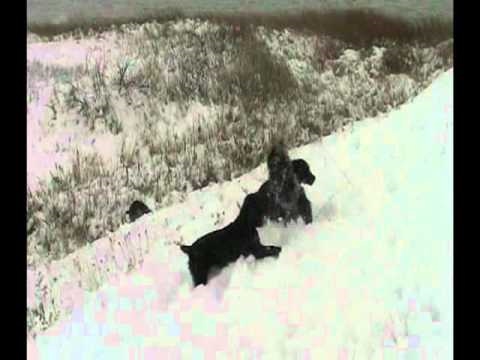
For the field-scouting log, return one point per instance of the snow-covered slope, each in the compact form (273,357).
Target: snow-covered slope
(371,278)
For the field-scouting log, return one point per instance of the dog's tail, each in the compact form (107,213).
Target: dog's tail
(185,249)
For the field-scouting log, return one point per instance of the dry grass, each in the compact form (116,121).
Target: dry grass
(257,92)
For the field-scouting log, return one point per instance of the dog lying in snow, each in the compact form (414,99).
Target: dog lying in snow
(137,209)
(282,194)
(221,247)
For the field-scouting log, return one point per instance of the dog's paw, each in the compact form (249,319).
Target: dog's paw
(275,250)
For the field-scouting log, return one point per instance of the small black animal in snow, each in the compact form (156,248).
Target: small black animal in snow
(302,171)
(137,209)
(217,249)
(282,194)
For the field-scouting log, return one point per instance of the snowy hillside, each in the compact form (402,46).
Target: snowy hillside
(160,109)
(371,278)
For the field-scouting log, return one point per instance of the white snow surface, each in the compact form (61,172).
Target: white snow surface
(370,278)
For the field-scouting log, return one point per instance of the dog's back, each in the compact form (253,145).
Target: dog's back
(216,249)
(221,247)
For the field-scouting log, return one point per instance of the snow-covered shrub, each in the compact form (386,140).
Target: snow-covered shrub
(420,63)
(400,59)
(259,76)
(327,49)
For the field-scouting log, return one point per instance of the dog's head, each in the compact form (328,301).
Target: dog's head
(302,171)
(137,209)
(252,212)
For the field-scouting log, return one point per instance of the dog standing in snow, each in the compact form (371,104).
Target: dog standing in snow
(282,194)
(221,247)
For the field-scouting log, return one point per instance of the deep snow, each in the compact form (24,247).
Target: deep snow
(371,278)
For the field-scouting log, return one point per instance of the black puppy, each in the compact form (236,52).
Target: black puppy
(221,247)
(137,209)
(302,171)
(282,194)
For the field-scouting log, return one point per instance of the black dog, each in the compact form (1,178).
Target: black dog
(282,194)
(221,247)
(302,171)
(137,209)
